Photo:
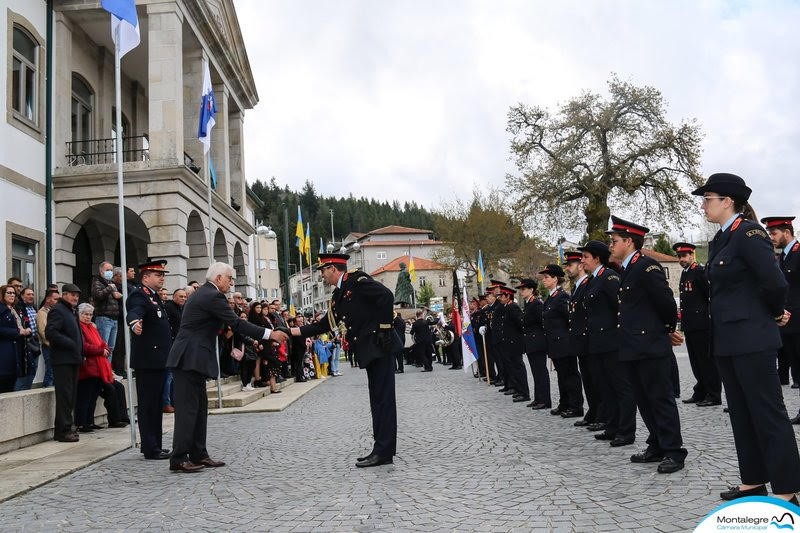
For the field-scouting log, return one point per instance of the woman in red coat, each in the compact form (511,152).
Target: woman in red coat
(94,371)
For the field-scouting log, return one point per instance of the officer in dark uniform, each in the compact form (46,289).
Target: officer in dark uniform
(513,346)
(364,307)
(535,343)
(695,324)
(748,295)
(578,337)
(602,307)
(400,327)
(423,342)
(479,327)
(494,319)
(647,319)
(781,233)
(555,318)
(150,344)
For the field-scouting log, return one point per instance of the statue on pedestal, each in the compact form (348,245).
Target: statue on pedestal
(404,291)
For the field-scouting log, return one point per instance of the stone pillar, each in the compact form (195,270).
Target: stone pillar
(238,183)
(220,142)
(192,86)
(62,89)
(167,229)
(165,82)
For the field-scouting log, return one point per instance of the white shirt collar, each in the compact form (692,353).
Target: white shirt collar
(788,247)
(596,270)
(628,259)
(580,279)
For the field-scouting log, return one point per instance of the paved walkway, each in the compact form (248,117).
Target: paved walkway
(469,460)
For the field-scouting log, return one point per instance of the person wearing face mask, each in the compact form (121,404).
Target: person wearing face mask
(106,298)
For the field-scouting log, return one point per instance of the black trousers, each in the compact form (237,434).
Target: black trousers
(88,391)
(675,377)
(704,367)
(398,361)
(487,359)
(516,375)
(423,352)
(247,369)
(651,380)
(383,406)
(497,355)
(569,382)
(541,377)
(114,401)
(618,403)
(590,388)
(65,381)
(149,388)
(789,358)
(765,441)
(191,416)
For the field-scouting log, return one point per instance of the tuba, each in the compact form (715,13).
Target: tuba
(446,337)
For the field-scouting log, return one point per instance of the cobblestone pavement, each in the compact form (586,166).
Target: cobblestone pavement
(469,460)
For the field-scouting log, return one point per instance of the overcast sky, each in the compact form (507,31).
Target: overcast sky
(408,99)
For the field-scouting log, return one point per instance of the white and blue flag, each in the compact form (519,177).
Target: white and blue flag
(208,110)
(124,24)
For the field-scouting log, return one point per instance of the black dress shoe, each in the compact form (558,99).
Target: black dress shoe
(692,399)
(85,429)
(725,410)
(796,385)
(581,423)
(647,456)
(95,426)
(597,426)
(572,413)
(622,441)
(709,403)
(795,420)
(539,406)
(396,372)
(556,412)
(735,492)
(119,424)
(504,389)
(374,460)
(533,404)
(669,465)
(364,458)
(518,399)
(186,466)
(510,392)
(158,456)
(604,436)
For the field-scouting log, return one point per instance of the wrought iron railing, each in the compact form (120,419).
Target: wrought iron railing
(104,151)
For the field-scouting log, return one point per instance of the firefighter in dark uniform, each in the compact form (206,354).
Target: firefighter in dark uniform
(781,233)
(479,323)
(363,308)
(150,345)
(747,305)
(602,303)
(555,317)
(496,318)
(513,346)
(695,326)
(578,337)
(535,343)
(647,319)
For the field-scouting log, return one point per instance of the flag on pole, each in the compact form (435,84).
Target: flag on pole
(124,24)
(481,273)
(307,244)
(321,247)
(560,254)
(208,110)
(411,270)
(212,174)
(298,232)
(469,349)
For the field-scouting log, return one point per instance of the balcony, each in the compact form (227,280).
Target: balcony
(104,151)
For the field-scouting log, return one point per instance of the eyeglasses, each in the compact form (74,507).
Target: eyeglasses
(706,199)
(612,242)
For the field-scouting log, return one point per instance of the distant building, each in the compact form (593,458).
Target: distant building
(379,247)
(437,275)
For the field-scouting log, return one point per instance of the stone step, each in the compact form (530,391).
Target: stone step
(227,389)
(240,398)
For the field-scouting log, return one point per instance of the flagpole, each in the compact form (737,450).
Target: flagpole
(300,263)
(122,245)
(210,261)
(486,360)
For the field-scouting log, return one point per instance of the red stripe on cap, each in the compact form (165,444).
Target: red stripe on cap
(334,261)
(781,222)
(682,249)
(628,229)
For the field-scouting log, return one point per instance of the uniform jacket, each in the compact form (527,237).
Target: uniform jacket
(532,327)
(103,298)
(513,339)
(204,315)
(748,290)
(421,332)
(150,349)
(790,266)
(400,327)
(64,334)
(496,318)
(602,308)
(578,323)
(174,313)
(364,306)
(647,310)
(694,299)
(480,319)
(555,317)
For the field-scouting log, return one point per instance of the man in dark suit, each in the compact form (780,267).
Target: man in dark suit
(535,343)
(421,333)
(695,324)
(364,306)
(150,345)
(400,327)
(647,319)
(66,355)
(193,360)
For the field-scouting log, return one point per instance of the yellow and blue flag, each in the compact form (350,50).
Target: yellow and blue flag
(298,232)
(307,243)
(481,273)
(411,270)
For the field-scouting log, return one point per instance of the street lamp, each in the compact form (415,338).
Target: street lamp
(330,248)
(356,248)
(261,231)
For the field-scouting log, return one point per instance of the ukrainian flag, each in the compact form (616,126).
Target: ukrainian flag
(480,267)
(412,271)
(307,243)
(298,232)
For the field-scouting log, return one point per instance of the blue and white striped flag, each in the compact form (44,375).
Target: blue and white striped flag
(208,110)
(124,24)
(469,349)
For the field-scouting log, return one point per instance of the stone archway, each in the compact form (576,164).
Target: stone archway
(197,241)
(221,247)
(240,267)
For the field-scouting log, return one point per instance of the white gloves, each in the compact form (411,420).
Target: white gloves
(482,330)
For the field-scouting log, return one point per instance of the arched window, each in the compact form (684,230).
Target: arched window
(82,99)
(25,75)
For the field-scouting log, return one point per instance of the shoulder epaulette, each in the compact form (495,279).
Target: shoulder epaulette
(757,231)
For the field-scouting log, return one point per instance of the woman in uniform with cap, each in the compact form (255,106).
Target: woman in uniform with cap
(745,340)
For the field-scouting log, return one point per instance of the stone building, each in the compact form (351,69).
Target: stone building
(383,245)
(437,275)
(166,208)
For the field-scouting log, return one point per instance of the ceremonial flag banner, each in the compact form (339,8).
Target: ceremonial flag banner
(124,24)
(321,247)
(560,254)
(480,267)
(298,231)
(307,243)
(468,347)
(411,270)
(208,110)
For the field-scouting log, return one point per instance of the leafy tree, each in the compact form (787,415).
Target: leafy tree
(663,246)
(425,294)
(596,153)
